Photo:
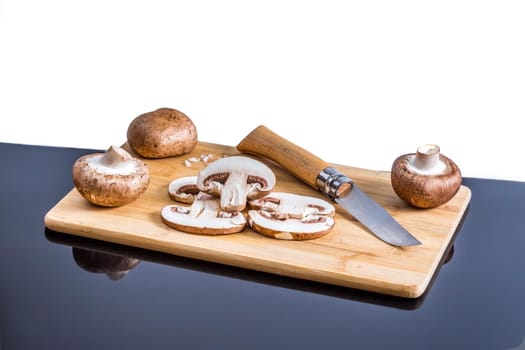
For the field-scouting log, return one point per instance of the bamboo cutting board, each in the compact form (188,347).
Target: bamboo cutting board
(349,256)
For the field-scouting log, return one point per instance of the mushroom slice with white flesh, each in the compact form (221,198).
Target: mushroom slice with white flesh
(236,179)
(203,217)
(291,217)
(183,189)
(288,205)
(110,179)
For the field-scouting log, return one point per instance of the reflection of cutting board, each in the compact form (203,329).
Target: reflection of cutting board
(348,256)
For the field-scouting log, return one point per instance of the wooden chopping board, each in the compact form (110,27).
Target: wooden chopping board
(349,256)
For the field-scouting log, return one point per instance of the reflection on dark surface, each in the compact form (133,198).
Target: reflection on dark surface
(448,255)
(114,266)
(106,252)
(48,302)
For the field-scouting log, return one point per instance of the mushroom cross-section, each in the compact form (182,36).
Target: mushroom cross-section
(236,179)
(183,189)
(110,179)
(287,205)
(291,217)
(203,217)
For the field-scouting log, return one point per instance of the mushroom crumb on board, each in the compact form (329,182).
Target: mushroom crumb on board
(202,159)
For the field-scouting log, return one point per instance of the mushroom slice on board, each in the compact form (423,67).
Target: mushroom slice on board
(291,217)
(183,189)
(203,217)
(288,205)
(110,179)
(236,179)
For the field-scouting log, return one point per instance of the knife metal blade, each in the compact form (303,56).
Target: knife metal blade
(380,223)
(319,175)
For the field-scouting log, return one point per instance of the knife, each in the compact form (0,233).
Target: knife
(321,176)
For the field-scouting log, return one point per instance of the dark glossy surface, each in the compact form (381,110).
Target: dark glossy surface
(51,299)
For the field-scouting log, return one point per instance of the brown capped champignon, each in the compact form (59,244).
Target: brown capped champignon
(236,179)
(203,217)
(110,179)
(165,132)
(114,266)
(184,189)
(291,217)
(425,179)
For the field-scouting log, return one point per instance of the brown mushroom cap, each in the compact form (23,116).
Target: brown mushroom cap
(165,132)
(110,179)
(425,179)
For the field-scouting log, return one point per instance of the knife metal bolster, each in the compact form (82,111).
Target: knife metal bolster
(333,183)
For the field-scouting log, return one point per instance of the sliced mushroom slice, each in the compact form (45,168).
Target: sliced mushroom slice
(288,205)
(236,179)
(271,225)
(203,217)
(291,217)
(183,189)
(110,179)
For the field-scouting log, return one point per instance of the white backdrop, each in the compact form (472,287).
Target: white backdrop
(356,82)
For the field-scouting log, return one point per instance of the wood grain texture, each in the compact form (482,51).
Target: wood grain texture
(301,163)
(349,256)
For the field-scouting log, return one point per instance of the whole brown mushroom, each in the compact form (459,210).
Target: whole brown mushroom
(425,179)
(165,132)
(110,179)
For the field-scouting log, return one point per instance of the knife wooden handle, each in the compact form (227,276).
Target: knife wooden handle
(298,161)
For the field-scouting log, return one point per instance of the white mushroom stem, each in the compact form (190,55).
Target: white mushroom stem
(234,191)
(427,161)
(115,161)
(236,179)
(115,155)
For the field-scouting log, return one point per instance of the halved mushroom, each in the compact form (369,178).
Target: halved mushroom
(203,217)
(183,189)
(236,179)
(110,179)
(291,217)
